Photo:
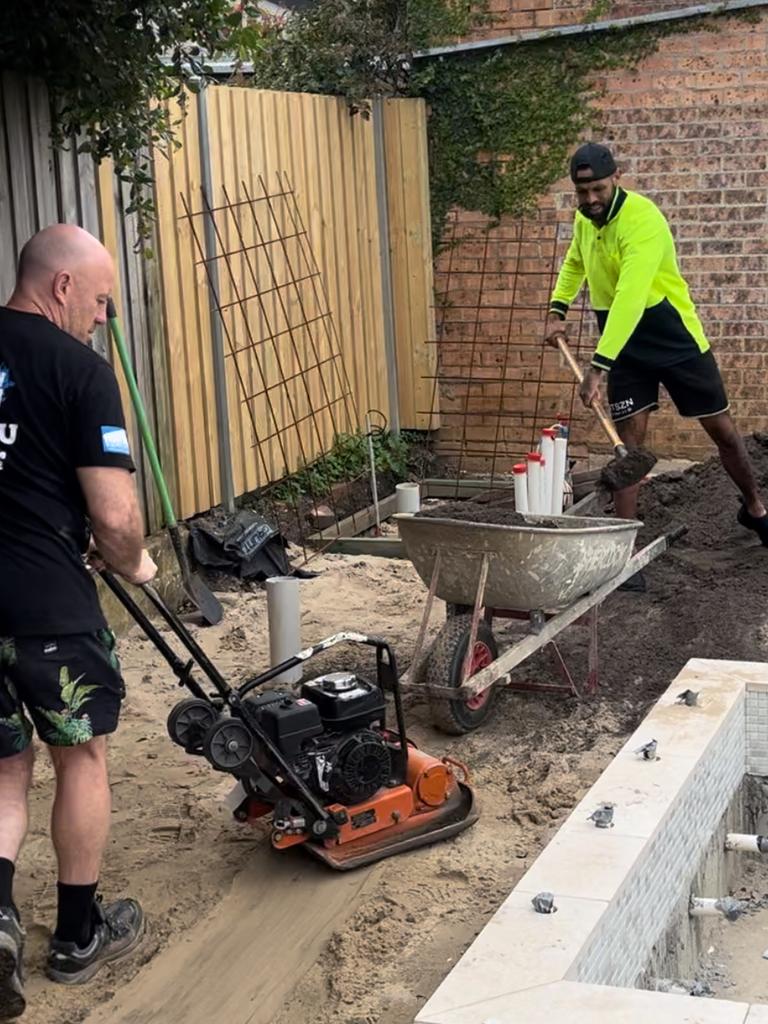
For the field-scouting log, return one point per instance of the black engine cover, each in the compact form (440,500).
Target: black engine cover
(289,723)
(346,701)
(355,768)
(329,735)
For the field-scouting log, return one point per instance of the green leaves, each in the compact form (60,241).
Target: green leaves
(73,695)
(20,729)
(357,48)
(348,460)
(107,63)
(501,122)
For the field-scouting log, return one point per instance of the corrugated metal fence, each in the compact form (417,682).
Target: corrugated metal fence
(323,162)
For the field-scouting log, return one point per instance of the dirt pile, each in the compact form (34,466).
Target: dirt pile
(707,596)
(703,498)
(471,512)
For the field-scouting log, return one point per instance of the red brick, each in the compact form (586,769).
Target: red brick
(691,130)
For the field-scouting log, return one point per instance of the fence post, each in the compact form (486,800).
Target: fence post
(382,208)
(219,365)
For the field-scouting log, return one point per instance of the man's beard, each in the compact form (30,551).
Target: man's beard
(586,211)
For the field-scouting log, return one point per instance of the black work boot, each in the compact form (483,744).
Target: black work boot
(118,929)
(758,524)
(12,1002)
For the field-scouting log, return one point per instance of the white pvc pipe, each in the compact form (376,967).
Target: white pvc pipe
(724,906)
(548,458)
(520,472)
(701,907)
(372,462)
(543,492)
(284,619)
(408,497)
(534,483)
(746,843)
(558,475)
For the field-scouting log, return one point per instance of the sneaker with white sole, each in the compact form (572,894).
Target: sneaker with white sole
(12,1002)
(118,930)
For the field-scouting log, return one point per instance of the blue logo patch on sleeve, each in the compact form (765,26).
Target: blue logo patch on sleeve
(114,441)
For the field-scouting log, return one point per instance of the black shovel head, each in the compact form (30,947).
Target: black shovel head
(628,470)
(203,599)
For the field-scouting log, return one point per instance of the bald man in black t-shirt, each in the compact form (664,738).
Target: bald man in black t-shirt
(66,478)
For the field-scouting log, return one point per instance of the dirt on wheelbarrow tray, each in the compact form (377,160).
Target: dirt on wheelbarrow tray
(469,512)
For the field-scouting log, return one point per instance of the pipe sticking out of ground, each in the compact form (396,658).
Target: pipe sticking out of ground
(284,619)
(724,906)
(746,843)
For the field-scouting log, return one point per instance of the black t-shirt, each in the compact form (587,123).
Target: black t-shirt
(60,409)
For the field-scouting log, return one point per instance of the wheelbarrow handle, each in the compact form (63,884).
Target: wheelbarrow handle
(675,534)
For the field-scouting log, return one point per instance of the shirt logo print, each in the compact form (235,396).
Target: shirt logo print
(5,381)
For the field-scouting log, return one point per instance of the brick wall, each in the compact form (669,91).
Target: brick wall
(690,129)
(509,16)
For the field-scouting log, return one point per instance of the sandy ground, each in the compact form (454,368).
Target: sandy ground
(241,934)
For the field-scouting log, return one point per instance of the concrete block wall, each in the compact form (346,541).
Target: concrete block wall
(637,920)
(757,731)
(690,129)
(621,892)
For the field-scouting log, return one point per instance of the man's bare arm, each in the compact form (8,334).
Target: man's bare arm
(113,509)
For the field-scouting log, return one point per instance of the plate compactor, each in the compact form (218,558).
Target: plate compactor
(321,760)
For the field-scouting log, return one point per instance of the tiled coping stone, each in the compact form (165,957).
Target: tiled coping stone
(614,888)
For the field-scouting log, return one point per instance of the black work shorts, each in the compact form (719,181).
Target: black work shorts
(695,387)
(70,687)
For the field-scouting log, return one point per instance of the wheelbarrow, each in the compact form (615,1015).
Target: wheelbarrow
(548,577)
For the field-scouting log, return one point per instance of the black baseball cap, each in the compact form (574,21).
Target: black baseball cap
(596,159)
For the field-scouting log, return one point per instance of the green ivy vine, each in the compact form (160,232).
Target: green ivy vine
(109,65)
(502,125)
(502,121)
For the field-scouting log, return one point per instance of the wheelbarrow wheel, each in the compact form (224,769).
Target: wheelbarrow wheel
(446,663)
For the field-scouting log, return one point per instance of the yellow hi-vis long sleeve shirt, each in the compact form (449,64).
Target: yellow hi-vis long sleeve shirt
(642,303)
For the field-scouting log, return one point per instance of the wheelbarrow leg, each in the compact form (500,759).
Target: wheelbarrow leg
(479,598)
(413,672)
(570,685)
(593,667)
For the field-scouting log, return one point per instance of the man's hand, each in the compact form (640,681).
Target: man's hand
(590,385)
(145,573)
(554,328)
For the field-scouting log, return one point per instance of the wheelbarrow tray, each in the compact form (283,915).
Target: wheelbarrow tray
(530,567)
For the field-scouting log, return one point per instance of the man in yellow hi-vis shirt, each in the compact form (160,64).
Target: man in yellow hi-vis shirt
(650,333)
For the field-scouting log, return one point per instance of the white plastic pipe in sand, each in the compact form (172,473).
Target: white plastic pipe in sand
(284,620)
(520,473)
(558,475)
(535,482)
(408,497)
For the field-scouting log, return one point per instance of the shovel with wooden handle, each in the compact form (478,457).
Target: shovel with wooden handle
(196,590)
(628,467)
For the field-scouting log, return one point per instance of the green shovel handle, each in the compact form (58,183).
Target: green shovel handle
(141,415)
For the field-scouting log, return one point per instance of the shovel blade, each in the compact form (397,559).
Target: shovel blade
(204,600)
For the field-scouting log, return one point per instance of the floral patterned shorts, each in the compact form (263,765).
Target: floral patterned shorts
(70,687)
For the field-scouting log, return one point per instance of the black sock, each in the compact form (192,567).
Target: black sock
(75,918)
(7,869)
